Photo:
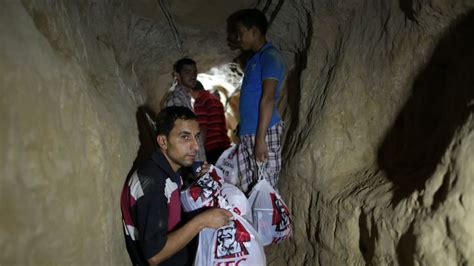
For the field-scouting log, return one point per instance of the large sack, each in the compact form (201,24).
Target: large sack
(202,192)
(237,200)
(228,164)
(271,217)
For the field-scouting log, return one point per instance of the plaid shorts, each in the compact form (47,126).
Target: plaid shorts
(247,162)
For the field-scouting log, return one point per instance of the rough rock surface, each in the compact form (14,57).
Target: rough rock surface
(379,136)
(379,101)
(68,136)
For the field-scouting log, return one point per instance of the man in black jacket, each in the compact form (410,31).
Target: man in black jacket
(150,203)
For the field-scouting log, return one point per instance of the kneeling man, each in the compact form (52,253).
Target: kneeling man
(150,202)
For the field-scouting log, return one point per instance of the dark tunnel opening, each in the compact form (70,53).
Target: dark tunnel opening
(440,102)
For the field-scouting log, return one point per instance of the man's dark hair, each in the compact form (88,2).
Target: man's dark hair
(198,86)
(167,116)
(248,18)
(181,62)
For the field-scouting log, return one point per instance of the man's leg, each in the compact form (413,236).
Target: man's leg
(246,161)
(273,140)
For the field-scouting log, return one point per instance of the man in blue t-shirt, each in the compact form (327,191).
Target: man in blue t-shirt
(260,123)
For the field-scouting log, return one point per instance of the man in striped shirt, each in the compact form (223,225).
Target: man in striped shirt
(210,113)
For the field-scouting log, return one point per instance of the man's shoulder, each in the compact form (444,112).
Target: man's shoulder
(149,167)
(272,53)
(211,97)
(150,172)
(273,64)
(206,98)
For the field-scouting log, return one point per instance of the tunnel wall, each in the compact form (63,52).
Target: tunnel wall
(378,152)
(68,138)
(374,136)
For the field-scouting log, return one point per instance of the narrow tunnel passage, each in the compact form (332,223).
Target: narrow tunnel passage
(78,78)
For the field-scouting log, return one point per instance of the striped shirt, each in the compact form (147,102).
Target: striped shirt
(210,113)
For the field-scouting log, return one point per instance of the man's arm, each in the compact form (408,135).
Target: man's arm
(265,115)
(178,239)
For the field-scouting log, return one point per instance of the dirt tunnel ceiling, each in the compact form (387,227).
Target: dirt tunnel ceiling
(378,105)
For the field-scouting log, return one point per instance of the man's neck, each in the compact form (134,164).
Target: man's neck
(175,167)
(259,44)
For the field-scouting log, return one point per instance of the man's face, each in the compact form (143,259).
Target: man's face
(232,34)
(181,146)
(187,77)
(246,37)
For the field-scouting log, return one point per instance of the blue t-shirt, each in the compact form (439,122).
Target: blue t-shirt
(266,63)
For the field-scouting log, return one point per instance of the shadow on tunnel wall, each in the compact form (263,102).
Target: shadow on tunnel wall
(441,99)
(409,8)
(146,136)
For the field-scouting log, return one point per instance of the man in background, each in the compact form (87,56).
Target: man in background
(211,117)
(185,73)
(260,127)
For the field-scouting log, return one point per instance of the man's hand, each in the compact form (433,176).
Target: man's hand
(204,169)
(178,239)
(214,218)
(261,151)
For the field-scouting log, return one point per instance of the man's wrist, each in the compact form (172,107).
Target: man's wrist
(198,222)
(260,139)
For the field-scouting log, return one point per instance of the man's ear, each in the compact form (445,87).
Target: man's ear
(162,142)
(177,76)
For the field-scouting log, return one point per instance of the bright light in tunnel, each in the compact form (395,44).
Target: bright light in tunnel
(209,81)
(228,77)
(223,76)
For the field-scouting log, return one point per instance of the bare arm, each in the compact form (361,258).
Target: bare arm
(178,239)
(265,115)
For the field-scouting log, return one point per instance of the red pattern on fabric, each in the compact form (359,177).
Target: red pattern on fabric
(276,217)
(216,177)
(126,202)
(241,235)
(195,191)
(174,210)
